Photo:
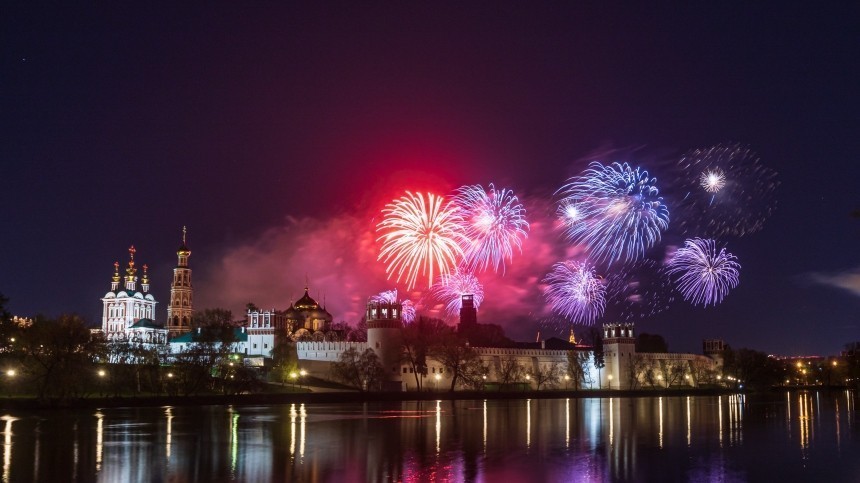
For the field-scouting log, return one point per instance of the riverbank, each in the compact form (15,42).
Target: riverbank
(351,397)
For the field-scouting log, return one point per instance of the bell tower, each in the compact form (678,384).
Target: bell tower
(181,308)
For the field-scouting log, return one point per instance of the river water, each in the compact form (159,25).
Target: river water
(800,436)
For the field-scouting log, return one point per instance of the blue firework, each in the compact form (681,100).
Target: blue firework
(615,211)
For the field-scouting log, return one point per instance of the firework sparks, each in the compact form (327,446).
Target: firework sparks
(494,224)
(712,181)
(614,210)
(450,288)
(419,236)
(575,291)
(727,191)
(704,276)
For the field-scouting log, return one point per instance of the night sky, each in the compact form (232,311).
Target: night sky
(276,134)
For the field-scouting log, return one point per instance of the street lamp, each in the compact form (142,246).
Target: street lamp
(10,373)
(437,377)
(102,373)
(610,380)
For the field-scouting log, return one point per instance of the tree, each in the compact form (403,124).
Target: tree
(454,354)
(6,325)
(359,334)
(510,371)
(362,371)
(651,371)
(756,369)
(852,362)
(213,318)
(636,367)
(418,338)
(58,356)
(285,359)
(133,367)
(548,375)
(674,371)
(703,372)
(599,356)
(206,361)
(474,374)
(577,368)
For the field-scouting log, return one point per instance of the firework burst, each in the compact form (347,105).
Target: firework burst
(703,275)
(420,236)
(450,288)
(574,290)
(494,224)
(614,210)
(726,191)
(407,308)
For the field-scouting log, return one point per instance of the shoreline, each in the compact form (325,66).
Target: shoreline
(352,397)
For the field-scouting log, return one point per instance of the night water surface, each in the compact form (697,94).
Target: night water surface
(800,436)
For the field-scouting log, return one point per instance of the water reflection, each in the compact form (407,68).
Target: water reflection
(485,426)
(661,422)
(7,446)
(100,426)
(168,432)
(663,438)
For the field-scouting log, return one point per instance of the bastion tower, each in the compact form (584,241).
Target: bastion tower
(181,307)
(384,336)
(619,346)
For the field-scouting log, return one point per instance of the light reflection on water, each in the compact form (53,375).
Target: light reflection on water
(795,436)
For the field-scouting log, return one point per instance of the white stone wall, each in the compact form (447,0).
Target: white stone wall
(317,357)
(326,351)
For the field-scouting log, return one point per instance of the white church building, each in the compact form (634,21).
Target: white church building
(128,312)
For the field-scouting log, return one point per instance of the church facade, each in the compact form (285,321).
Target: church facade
(305,319)
(128,313)
(129,308)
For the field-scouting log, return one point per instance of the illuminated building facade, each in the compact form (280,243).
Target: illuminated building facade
(306,319)
(624,368)
(181,308)
(128,313)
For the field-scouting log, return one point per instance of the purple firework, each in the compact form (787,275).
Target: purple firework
(703,275)
(614,210)
(450,288)
(574,290)
(494,223)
